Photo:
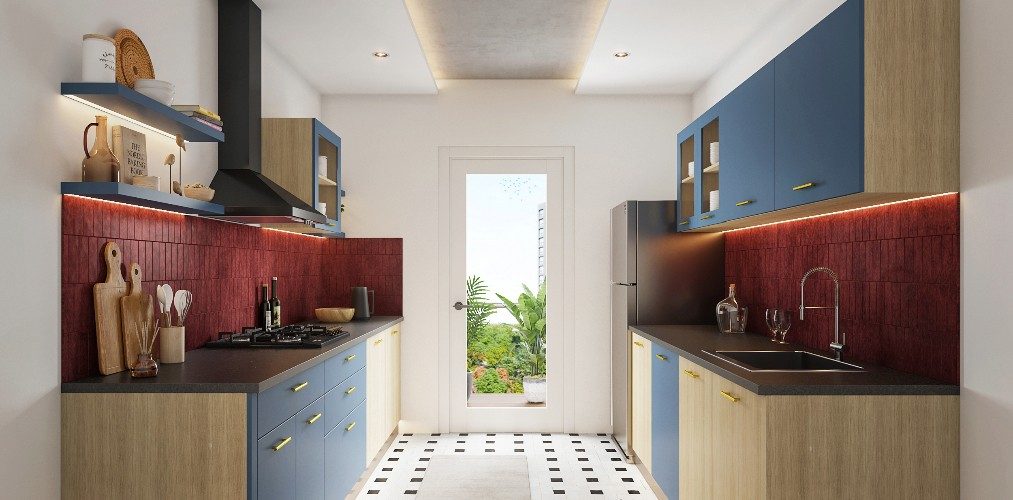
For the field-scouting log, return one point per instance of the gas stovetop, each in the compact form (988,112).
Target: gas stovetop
(291,336)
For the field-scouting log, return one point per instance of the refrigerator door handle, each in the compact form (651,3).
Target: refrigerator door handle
(625,284)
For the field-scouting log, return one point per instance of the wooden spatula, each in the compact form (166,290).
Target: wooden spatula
(107,312)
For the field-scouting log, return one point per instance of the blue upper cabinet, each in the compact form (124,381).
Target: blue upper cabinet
(818,113)
(747,147)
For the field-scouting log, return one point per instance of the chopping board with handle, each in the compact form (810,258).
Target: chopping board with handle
(131,311)
(108,329)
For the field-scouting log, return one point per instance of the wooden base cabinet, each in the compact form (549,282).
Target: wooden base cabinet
(735,444)
(383,374)
(640,399)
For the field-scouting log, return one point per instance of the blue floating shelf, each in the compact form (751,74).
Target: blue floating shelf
(137,106)
(142,197)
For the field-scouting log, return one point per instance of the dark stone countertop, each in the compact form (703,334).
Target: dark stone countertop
(690,341)
(232,370)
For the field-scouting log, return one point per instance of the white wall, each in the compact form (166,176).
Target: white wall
(284,92)
(40,145)
(623,150)
(782,31)
(986,178)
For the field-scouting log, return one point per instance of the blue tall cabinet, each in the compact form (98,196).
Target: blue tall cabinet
(665,420)
(862,109)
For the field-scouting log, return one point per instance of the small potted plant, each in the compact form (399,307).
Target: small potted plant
(529,339)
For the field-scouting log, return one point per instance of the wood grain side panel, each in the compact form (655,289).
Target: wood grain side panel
(136,446)
(912,96)
(287,154)
(869,447)
(694,429)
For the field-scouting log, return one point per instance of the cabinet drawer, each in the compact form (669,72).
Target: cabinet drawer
(282,401)
(343,398)
(344,365)
(276,462)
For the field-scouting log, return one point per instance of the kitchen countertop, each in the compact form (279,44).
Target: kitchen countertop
(238,370)
(690,341)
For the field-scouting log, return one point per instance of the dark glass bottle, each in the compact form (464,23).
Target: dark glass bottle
(265,309)
(275,303)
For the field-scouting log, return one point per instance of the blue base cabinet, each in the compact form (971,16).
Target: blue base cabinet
(345,451)
(665,420)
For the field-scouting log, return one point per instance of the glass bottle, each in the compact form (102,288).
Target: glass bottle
(731,316)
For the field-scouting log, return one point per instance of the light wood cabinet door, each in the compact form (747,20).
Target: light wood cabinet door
(393,388)
(640,396)
(694,430)
(738,426)
(376,394)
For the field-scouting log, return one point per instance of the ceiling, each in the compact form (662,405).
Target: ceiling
(674,45)
(506,39)
(331,44)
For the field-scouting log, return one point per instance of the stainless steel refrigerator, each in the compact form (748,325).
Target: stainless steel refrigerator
(659,277)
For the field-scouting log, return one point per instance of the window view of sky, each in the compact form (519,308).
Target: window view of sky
(502,233)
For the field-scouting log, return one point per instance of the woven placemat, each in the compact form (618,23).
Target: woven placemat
(132,59)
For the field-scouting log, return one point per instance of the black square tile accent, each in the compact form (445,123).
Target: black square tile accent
(575,441)
(463,434)
(574,434)
(633,492)
(553,469)
(587,469)
(518,434)
(435,434)
(431,442)
(373,492)
(519,450)
(403,442)
(411,492)
(600,434)
(604,442)
(387,469)
(459,450)
(381,480)
(491,434)
(547,441)
(592,480)
(550,450)
(580,450)
(416,480)
(489,450)
(621,469)
(546,434)
(610,450)
(627,479)
(392,459)
(429,450)
(617,459)
(558,492)
(425,459)
(409,434)
(398,450)
(490,442)
(556,479)
(582,459)
(597,492)
(518,442)
(460,442)
(420,469)
(552,459)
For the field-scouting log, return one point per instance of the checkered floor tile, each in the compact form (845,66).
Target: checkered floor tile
(559,465)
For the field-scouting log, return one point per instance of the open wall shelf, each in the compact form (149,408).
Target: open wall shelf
(136,106)
(141,197)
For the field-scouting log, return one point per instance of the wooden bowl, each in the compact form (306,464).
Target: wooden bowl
(201,193)
(334,314)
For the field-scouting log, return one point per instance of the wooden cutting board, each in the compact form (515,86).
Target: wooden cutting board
(107,312)
(131,316)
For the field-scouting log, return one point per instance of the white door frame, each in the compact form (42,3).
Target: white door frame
(445,366)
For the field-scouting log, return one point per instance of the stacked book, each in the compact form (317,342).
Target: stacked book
(201,114)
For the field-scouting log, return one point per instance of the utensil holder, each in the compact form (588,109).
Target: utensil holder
(172,342)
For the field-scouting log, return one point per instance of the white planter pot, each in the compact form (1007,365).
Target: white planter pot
(534,389)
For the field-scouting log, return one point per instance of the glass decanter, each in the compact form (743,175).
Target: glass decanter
(730,314)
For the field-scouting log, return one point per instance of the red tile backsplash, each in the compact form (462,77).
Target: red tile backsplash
(220,262)
(899,267)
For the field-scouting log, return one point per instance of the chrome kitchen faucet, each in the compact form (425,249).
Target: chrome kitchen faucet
(838,344)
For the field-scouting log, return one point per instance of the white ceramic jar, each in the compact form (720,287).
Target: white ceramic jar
(98,59)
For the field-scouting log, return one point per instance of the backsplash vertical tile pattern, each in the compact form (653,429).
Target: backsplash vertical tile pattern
(222,263)
(900,274)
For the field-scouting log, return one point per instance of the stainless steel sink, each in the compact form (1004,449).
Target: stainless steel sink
(784,361)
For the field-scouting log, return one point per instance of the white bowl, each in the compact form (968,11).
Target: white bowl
(163,96)
(148,83)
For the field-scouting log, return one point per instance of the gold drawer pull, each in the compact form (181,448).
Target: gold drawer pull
(281,444)
(300,387)
(350,357)
(708,216)
(638,343)
(683,223)
(743,203)
(661,357)
(803,186)
(691,373)
(377,341)
(729,396)
(394,332)
(314,418)
(350,390)
(349,427)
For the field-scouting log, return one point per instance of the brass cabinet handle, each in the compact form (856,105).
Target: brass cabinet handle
(299,387)
(350,390)
(377,341)
(743,203)
(691,373)
(394,332)
(661,357)
(803,186)
(708,216)
(350,427)
(683,223)
(350,357)
(729,396)
(638,344)
(314,418)
(281,444)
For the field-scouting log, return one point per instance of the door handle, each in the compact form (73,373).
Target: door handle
(460,305)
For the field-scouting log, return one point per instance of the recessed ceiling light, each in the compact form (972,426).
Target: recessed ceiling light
(380,55)
(621,55)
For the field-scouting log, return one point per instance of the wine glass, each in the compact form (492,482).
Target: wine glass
(772,316)
(783,325)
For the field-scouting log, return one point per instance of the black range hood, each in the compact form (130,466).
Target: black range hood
(248,196)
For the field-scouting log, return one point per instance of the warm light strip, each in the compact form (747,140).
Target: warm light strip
(179,214)
(292,232)
(870,207)
(117,115)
